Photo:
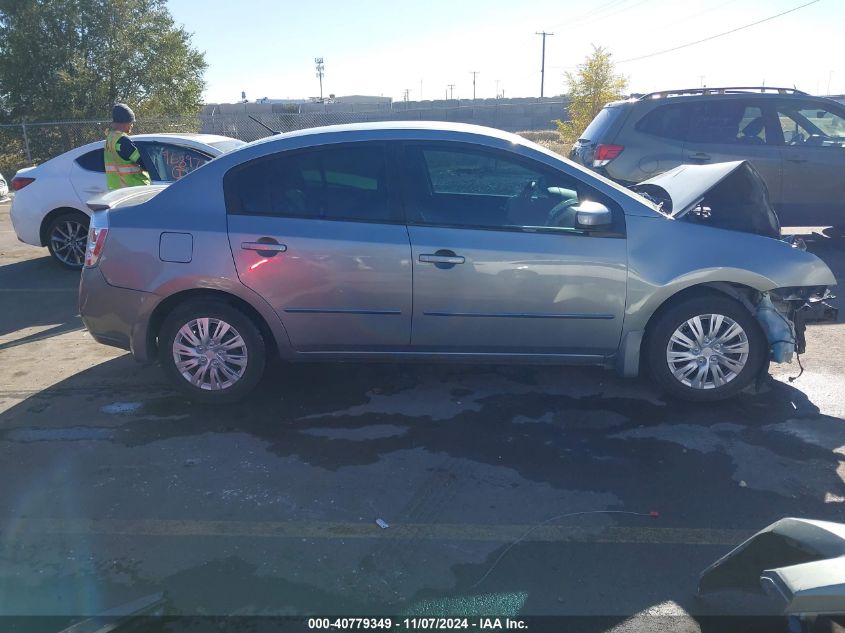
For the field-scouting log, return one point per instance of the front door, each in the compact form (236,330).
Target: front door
(318,234)
(813,163)
(498,264)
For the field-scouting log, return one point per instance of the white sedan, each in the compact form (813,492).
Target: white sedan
(49,207)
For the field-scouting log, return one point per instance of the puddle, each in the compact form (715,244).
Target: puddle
(67,434)
(121,407)
(361,434)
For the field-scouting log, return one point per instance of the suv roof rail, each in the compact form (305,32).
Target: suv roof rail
(660,94)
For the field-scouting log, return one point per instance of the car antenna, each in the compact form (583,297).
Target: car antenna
(266,127)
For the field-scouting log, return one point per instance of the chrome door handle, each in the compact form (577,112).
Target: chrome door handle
(265,249)
(699,156)
(441,259)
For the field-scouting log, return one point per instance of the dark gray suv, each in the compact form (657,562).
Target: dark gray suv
(795,141)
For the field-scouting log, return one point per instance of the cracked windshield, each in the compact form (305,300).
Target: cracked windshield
(476,316)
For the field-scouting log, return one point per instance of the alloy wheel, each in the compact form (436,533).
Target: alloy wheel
(68,241)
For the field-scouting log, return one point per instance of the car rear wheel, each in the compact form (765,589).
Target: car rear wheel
(705,348)
(212,351)
(67,237)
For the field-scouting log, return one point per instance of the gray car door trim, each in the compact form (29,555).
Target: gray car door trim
(525,315)
(341,311)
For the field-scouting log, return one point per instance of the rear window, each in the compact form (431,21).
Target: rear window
(600,125)
(227,145)
(668,121)
(340,182)
(92,161)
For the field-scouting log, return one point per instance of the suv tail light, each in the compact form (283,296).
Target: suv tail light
(606,153)
(96,241)
(19,182)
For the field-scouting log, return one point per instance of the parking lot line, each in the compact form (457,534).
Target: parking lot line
(73,290)
(418,531)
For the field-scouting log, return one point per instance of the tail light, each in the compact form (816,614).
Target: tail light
(19,182)
(606,153)
(96,241)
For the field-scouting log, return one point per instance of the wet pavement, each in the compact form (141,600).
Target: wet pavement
(507,490)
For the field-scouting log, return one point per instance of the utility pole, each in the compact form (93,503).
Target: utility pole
(451,87)
(405,97)
(474,73)
(421,98)
(497,88)
(543,62)
(319,62)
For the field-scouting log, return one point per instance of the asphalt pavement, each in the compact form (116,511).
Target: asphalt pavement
(504,490)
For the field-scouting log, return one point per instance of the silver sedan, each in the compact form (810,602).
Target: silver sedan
(446,242)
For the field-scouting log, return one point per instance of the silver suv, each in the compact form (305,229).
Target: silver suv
(443,242)
(796,142)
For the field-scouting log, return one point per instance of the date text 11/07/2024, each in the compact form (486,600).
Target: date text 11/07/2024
(418,623)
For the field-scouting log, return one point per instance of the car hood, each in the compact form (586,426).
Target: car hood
(729,195)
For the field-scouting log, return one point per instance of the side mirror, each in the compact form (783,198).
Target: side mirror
(592,216)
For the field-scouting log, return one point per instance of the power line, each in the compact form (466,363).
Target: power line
(713,37)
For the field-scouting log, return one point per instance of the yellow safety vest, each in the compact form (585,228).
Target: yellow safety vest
(120,172)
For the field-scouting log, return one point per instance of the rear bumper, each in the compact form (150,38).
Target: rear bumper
(27,225)
(115,316)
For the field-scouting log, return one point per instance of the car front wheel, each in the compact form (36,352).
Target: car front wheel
(67,237)
(705,348)
(212,351)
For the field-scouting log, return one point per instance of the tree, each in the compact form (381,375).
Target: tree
(590,88)
(72,59)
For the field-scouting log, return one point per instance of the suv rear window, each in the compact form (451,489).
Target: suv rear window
(601,124)
(667,121)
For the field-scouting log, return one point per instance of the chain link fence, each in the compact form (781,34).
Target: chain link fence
(31,143)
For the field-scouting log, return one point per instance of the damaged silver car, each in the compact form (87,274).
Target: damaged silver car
(447,242)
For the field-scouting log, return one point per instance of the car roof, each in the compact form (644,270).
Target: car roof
(696,94)
(199,137)
(383,126)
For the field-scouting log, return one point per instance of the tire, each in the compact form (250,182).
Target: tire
(67,237)
(240,366)
(677,368)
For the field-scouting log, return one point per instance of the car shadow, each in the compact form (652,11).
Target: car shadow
(737,465)
(37,293)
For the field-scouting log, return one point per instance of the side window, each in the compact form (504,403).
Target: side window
(168,162)
(343,182)
(727,122)
(668,121)
(470,187)
(92,161)
(808,124)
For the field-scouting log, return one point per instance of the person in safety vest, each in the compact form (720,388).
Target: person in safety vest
(124,167)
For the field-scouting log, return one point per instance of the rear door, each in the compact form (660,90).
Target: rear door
(735,129)
(319,233)
(498,264)
(813,135)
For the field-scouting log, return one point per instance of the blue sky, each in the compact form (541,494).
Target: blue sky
(381,47)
